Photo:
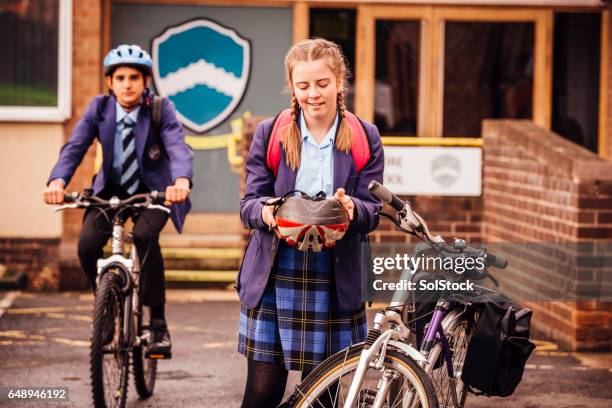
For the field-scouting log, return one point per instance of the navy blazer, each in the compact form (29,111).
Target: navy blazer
(347,254)
(99,121)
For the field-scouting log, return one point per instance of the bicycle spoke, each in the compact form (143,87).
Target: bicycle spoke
(398,394)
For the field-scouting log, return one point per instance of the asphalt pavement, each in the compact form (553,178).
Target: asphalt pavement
(44,340)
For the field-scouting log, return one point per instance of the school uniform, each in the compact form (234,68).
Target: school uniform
(300,307)
(127,169)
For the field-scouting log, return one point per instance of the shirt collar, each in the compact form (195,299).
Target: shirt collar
(120,113)
(331,133)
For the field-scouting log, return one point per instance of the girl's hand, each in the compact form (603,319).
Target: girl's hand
(346,201)
(267,214)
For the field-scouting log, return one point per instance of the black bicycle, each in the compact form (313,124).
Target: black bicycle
(120,328)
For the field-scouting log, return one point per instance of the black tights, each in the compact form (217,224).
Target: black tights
(265,385)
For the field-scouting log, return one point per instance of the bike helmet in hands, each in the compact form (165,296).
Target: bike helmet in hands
(306,222)
(130,55)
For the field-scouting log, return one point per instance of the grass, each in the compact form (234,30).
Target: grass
(26,95)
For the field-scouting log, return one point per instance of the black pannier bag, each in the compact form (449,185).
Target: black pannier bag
(499,349)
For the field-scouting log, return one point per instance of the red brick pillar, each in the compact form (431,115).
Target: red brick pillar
(86,76)
(541,188)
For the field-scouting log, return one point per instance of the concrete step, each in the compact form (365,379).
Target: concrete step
(190,279)
(201,241)
(202,258)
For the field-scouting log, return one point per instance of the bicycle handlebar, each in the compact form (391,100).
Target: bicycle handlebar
(410,222)
(386,196)
(77,200)
(496,261)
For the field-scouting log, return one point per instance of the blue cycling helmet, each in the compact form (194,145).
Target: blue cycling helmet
(130,55)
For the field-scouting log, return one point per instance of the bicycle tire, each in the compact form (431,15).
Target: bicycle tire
(346,361)
(459,328)
(145,370)
(108,298)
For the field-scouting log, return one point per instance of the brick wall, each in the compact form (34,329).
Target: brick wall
(449,217)
(37,257)
(538,187)
(87,78)
(607,88)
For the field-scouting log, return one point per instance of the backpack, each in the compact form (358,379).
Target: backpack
(360,148)
(496,356)
(155,148)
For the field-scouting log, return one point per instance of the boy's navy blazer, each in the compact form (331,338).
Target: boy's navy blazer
(99,121)
(347,254)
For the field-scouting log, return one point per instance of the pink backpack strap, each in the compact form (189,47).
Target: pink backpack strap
(360,147)
(273,155)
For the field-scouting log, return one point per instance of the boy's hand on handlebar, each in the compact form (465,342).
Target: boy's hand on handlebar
(178,192)
(54,193)
(346,201)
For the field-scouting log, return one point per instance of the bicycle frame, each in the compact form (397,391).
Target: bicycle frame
(442,319)
(130,268)
(397,336)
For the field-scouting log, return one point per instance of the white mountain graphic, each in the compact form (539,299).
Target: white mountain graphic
(201,72)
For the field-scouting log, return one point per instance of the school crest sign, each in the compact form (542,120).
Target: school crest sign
(203,67)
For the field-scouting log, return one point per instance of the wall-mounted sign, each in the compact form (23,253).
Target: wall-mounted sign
(452,171)
(203,67)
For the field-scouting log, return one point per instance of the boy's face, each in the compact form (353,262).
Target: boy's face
(127,84)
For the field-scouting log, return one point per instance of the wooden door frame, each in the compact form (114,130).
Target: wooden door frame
(542,51)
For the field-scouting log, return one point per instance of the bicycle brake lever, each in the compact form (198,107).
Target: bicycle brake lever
(65,206)
(158,207)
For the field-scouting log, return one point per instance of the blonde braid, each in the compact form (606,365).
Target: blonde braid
(292,141)
(344,140)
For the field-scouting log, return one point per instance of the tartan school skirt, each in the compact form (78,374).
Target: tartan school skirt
(298,321)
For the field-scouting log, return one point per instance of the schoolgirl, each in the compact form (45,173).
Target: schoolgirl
(300,307)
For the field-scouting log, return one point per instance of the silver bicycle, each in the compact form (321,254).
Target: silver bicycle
(119,319)
(388,370)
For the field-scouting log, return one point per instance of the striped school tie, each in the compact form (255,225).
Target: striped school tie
(129,169)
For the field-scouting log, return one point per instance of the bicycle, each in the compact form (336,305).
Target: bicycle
(434,368)
(118,328)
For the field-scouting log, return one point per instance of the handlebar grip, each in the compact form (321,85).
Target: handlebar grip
(158,195)
(71,197)
(385,195)
(496,261)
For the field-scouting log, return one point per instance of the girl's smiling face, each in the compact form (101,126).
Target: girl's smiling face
(316,88)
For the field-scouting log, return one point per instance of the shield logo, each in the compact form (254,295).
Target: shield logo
(204,69)
(445,170)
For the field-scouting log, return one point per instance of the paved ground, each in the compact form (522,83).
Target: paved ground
(44,342)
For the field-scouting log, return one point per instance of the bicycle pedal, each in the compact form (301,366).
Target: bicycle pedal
(158,354)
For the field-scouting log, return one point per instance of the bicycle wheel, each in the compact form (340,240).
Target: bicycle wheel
(459,328)
(329,383)
(109,362)
(145,370)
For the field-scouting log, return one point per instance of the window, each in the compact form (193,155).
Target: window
(35,44)
(576,77)
(488,73)
(338,25)
(397,76)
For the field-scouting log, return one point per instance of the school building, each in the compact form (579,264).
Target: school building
(496,117)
